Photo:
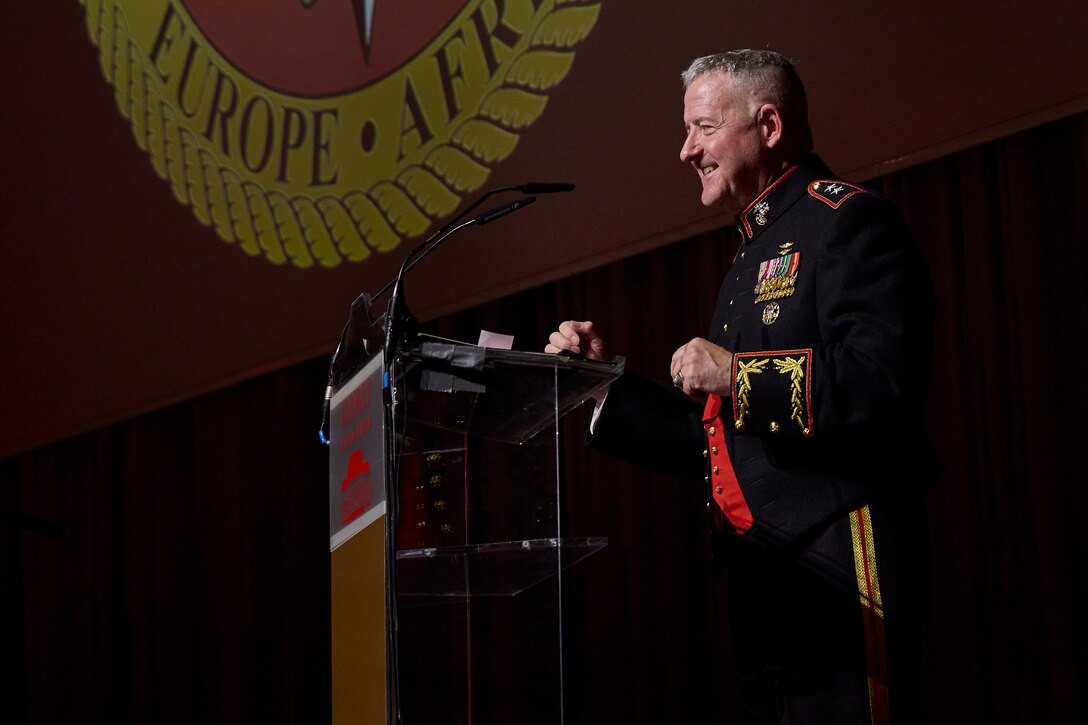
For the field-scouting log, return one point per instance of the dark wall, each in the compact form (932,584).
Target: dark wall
(174,568)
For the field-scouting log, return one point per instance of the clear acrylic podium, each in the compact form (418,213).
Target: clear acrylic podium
(472,586)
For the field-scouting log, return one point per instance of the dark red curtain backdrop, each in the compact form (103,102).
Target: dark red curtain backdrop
(174,568)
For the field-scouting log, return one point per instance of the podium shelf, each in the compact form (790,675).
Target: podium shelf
(494,569)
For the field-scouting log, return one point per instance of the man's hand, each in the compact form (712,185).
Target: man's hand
(580,338)
(700,368)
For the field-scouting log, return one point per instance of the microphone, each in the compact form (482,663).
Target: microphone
(544,187)
(489,216)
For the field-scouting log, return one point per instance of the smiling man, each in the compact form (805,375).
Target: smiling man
(734,126)
(801,409)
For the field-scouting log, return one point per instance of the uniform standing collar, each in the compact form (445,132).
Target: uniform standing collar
(780,195)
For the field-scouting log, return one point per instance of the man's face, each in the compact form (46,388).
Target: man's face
(723,142)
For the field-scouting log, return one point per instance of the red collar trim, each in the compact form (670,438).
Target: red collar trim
(761,197)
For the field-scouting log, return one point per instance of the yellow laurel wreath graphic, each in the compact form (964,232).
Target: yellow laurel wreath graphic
(330,229)
(793,367)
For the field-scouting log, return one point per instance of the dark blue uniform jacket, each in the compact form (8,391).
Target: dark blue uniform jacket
(827,309)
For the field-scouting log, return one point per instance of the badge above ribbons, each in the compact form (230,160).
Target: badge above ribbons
(346,166)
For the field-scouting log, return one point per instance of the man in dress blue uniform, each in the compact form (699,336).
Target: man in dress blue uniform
(802,408)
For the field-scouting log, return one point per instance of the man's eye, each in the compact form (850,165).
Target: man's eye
(702,129)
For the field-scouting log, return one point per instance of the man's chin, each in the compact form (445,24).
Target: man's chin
(717,202)
(716,199)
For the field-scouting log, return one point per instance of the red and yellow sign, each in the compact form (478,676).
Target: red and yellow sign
(318,131)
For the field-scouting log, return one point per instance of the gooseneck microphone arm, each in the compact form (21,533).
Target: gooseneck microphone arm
(397,312)
(532,187)
(417,255)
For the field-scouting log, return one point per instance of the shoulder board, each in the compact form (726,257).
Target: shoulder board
(832,192)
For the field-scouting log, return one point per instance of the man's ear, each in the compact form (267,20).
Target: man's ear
(769,121)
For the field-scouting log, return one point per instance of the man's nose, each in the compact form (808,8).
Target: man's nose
(690,147)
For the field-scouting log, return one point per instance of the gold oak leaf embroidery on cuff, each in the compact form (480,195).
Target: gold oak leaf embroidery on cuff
(794,367)
(744,387)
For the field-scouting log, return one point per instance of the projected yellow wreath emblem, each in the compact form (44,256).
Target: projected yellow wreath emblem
(317,131)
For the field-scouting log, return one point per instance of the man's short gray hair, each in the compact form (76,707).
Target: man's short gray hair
(737,62)
(767,74)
